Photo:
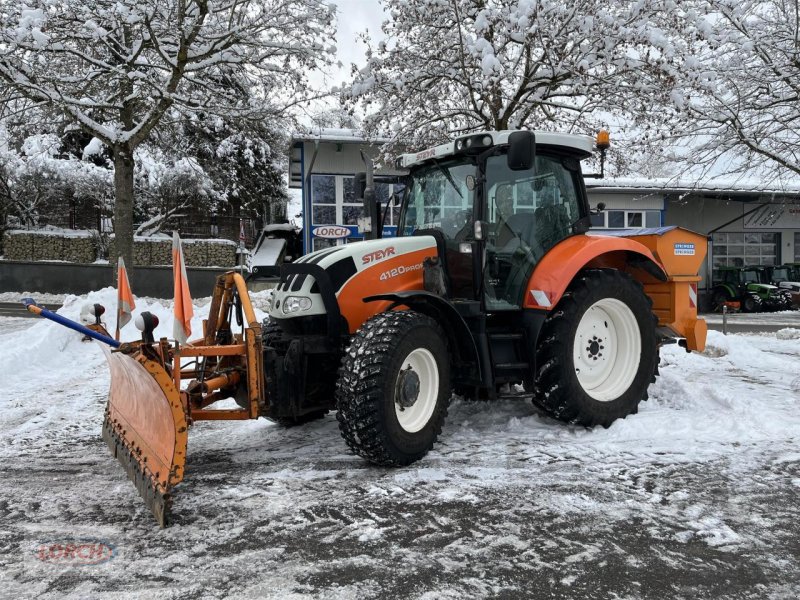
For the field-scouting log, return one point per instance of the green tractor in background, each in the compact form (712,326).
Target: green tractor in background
(747,285)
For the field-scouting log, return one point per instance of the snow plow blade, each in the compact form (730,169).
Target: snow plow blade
(145,427)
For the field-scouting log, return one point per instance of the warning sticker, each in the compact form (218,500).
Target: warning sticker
(684,249)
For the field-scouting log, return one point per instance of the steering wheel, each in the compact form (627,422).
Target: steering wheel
(460,224)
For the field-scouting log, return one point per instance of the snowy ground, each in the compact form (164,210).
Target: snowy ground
(696,496)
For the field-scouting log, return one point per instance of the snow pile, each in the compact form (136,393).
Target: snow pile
(788,333)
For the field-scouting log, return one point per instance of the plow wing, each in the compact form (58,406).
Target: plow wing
(159,388)
(145,427)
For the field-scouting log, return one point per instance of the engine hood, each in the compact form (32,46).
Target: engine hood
(343,263)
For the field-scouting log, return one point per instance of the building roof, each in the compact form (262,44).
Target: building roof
(731,186)
(336,136)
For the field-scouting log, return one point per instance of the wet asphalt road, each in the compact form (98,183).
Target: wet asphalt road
(16,309)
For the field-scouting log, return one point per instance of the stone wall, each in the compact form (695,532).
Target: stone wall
(82,247)
(76,246)
(209,253)
(197,253)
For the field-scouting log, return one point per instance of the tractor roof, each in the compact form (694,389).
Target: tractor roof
(580,144)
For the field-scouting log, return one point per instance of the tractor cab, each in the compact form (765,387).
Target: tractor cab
(786,277)
(496,202)
(751,286)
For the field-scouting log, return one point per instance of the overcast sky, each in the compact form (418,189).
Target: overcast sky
(354,16)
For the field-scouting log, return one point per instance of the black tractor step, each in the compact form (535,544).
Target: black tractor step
(505,336)
(513,366)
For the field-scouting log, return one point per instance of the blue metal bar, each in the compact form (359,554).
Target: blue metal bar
(31,305)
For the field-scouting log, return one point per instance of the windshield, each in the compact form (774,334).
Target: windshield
(751,277)
(780,274)
(437,197)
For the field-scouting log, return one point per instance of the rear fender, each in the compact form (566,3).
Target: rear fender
(563,262)
(673,290)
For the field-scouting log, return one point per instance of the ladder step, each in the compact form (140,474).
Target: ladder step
(513,366)
(505,336)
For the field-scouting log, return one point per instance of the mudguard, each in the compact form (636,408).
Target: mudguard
(665,261)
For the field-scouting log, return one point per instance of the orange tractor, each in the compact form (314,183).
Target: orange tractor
(494,278)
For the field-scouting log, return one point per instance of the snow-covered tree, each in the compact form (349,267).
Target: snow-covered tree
(38,181)
(736,86)
(117,67)
(246,163)
(451,66)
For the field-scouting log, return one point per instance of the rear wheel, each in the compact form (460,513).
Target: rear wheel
(598,352)
(719,298)
(394,388)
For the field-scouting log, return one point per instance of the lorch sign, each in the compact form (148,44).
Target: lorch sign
(331,232)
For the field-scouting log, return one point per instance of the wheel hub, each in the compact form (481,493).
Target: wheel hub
(606,349)
(407,388)
(595,348)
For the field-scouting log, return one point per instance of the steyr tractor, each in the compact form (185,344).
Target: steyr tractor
(749,286)
(494,279)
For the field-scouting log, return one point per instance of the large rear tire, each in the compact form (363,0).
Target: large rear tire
(598,352)
(394,388)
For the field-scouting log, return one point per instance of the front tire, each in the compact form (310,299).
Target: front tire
(394,388)
(751,303)
(598,352)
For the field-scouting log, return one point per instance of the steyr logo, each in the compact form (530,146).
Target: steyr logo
(75,553)
(378,255)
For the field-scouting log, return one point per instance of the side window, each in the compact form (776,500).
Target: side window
(538,209)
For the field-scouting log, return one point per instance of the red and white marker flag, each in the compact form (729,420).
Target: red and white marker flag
(183,310)
(125,302)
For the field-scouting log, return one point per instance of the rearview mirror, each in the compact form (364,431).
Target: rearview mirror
(521,150)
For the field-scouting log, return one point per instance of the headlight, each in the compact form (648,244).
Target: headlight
(294,304)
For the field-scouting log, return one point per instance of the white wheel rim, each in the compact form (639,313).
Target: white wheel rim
(415,417)
(607,349)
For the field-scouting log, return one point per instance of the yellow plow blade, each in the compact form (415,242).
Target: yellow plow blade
(145,427)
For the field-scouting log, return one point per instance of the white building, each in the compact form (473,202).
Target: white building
(748,223)
(322,165)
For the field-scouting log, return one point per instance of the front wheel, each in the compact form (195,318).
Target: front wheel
(598,352)
(394,388)
(751,303)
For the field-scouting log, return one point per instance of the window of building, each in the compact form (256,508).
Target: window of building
(323,199)
(598,220)
(739,249)
(627,219)
(334,202)
(797,246)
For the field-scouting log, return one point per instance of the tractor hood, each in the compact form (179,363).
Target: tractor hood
(762,287)
(299,294)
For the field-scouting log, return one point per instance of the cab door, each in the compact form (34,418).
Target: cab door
(527,213)
(440,202)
